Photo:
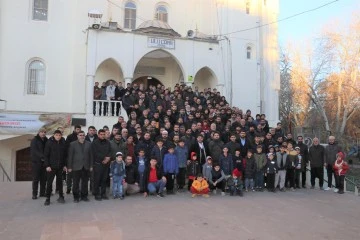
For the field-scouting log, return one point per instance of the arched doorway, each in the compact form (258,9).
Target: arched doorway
(159,66)
(147,81)
(205,78)
(109,69)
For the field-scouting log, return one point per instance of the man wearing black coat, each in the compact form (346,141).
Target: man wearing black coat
(80,165)
(101,152)
(55,163)
(201,149)
(244,144)
(317,159)
(131,185)
(37,148)
(304,152)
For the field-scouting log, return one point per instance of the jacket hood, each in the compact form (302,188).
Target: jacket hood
(192,155)
(340,155)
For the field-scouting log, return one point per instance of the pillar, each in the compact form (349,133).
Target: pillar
(89,99)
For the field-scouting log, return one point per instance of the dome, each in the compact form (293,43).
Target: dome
(156,27)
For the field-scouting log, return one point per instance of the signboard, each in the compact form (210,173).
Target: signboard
(161,43)
(18,124)
(190,79)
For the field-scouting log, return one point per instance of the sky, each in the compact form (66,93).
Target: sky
(309,25)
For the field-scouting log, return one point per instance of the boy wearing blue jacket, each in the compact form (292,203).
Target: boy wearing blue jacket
(182,153)
(171,169)
(118,173)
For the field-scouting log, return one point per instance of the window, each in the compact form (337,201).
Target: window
(40,10)
(247,7)
(161,14)
(36,78)
(248,52)
(130,15)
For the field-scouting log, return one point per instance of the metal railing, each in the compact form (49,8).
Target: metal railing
(5,176)
(105,108)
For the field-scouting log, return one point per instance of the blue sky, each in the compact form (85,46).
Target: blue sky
(307,26)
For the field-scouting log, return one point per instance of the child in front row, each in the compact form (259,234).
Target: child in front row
(235,183)
(193,169)
(271,169)
(340,168)
(200,187)
(118,173)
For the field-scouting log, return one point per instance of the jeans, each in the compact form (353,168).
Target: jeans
(249,182)
(156,186)
(117,186)
(69,181)
(141,182)
(259,179)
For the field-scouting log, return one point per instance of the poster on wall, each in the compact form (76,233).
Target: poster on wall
(19,124)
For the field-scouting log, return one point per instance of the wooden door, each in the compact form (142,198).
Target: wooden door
(23,165)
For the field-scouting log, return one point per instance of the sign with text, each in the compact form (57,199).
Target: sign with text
(161,43)
(31,123)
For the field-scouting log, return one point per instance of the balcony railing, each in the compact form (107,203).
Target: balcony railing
(104,108)
(5,175)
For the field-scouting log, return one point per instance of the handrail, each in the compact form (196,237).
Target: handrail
(5,174)
(307,169)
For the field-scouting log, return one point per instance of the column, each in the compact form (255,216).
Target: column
(89,99)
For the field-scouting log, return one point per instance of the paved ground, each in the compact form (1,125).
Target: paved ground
(304,214)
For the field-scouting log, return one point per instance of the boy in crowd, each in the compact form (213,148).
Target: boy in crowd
(271,170)
(235,183)
(171,169)
(298,168)
(260,160)
(182,153)
(250,169)
(200,187)
(118,173)
(281,158)
(141,163)
(340,168)
(155,180)
(207,168)
(217,179)
(159,151)
(193,169)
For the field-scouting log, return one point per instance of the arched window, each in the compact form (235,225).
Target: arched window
(130,15)
(36,74)
(247,7)
(40,10)
(161,13)
(248,52)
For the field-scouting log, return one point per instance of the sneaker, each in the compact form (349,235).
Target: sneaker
(253,190)
(115,197)
(61,200)
(340,192)
(282,190)
(322,188)
(193,195)
(160,195)
(122,197)
(292,189)
(85,199)
(246,190)
(104,197)
(205,195)
(47,202)
(327,189)
(223,194)
(76,200)
(241,194)
(214,192)
(303,186)
(336,190)
(312,187)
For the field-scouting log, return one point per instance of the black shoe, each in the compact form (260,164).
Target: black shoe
(47,202)
(341,192)
(303,186)
(104,197)
(121,197)
(76,200)
(160,195)
(98,198)
(115,197)
(241,194)
(61,200)
(85,199)
(42,195)
(34,197)
(68,191)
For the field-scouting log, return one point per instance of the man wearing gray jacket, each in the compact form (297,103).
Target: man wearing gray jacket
(331,151)
(80,164)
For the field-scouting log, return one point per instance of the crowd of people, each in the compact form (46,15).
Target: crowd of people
(176,141)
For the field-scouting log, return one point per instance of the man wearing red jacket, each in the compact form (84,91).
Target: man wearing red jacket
(340,168)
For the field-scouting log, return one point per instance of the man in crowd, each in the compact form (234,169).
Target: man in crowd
(316,158)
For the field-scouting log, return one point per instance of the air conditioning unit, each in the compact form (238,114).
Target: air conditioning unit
(96,26)
(190,34)
(113,25)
